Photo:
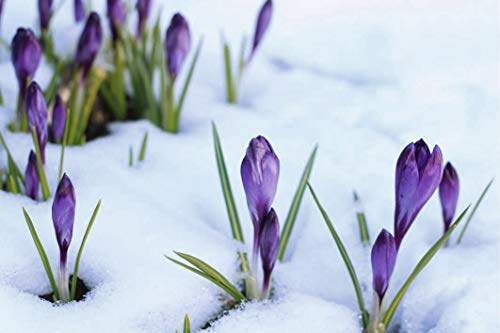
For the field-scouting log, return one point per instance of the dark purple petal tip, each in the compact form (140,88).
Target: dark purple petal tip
(45,13)
(79,10)
(143,11)
(63,212)
(31,177)
(262,25)
(177,44)
(418,173)
(448,194)
(36,113)
(89,43)
(116,15)
(269,241)
(26,55)
(383,257)
(58,120)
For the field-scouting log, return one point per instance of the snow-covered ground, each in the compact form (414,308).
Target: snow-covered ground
(361,79)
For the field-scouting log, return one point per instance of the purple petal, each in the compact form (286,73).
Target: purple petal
(63,213)
(36,113)
(89,43)
(58,120)
(177,44)
(45,13)
(269,241)
(448,194)
(26,55)
(383,257)
(116,16)
(143,11)
(422,154)
(31,177)
(79,10)
(262,25)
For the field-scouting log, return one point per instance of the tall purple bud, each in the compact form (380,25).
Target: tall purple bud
(79,10)
(259,173)
(269,241)
(143,11)
(177,44)
(36,113)
(116,16)
(26,55)
(263,20)
(44,13)
(63,217)
(384,254)
(89,44)
(418,173)
(58,120)
(1,9)
(448,194)
(31,177)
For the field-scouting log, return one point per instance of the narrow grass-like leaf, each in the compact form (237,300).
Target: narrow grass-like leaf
(12,186)
(187,324)
(476,205)
(420,266)
(11,160)
(182,97)
(294,208)
(39,165)
(130,156)
(43,255)
(230,89)
(364,235)
(1,98)
(51,90)
(63,149)
(142,152)
(345,257)
(80,251)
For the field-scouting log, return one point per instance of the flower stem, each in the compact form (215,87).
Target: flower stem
(63,283)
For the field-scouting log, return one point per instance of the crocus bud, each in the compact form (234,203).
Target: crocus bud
(44,13)
(177,44)
(36,113)
(89,44)
(143,10)
(384,254)
(259,173)
(448,194)
(261,26)
(63,217)
(116,16)
(418,173)
(1,9)
(269,241)
(58,120)
(31,177)
(79,10)
(26,55)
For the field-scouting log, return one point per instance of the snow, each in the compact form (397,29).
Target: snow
(361,79)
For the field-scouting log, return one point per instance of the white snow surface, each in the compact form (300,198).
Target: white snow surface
(361,79)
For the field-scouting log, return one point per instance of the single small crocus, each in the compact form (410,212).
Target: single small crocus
(116,16)
(261,26)
(143,11)
(26,55)
(79,10)
(44,13)
(259,173)
(63,217)
(418,173)
(383,255)
(448,194)
(31,177)
(36,113)
(177,44)
(89,44)
(58,120)
(269,241)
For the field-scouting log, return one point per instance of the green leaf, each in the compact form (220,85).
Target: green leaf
(420,266)
(63,148)
(364,235)
(188,80)
(230,88)
(130,156)
(345,257)
(12,186)
(80,251)
(51,90)
(11,161)
(39,165)
(294,208)
(187,324)
(43,255)
(142,152)
(478,202)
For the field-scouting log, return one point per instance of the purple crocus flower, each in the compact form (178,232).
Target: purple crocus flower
(177,44)
(418,173)
(269,241)
(143,10)
(45,13)
(384,254)
(448,194)
(31,177)
(261,26)
(116,16)
(58,120)
(26,55)
(1,9)
(259,173)
(79,10)
(63,217)
(36,113)
(89,44)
